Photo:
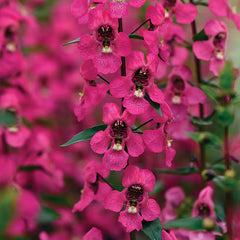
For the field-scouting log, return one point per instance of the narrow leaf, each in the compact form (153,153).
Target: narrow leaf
(209,92)
(153,229)
(200,122)
(224,116)
(190,223)
(201,36)
(205,138)
(85,135)
(47,215)
(74,41)
(135,36)
(155,105)
(181,171)
(227,77)
(8,118)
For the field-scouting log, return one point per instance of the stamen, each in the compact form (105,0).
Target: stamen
(176,99)
(13,129)
(138,93)
(117,147)
(132,209)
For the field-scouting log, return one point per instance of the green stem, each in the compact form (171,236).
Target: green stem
(201,107)
(228,194)
(133,235)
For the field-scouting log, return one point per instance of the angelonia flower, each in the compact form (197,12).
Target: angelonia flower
(139,80)
(106,45)
(213,49)
(134,199)
(119,134)
(222,8)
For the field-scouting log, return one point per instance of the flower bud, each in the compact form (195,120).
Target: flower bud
(208,174)
(208,223)
(230,173)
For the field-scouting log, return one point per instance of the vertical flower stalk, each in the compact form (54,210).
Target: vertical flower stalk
(201,107)
(228,194)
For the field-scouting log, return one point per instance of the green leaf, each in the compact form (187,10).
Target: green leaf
(224,116)
(47,215)
(201,122)
(205,138)
(227,77)
(135,36)
(30,168)
(209,92)
(201,36)
(155,105)
(181,171)
(190,223)
(133,128)
(7,208)
(8,118)
(85,135)
(218,181)
(74,41)
(152,229)
(209,83)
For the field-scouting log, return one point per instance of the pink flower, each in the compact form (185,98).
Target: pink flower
(213,49)
(106,45)
(204,206)
(137,184)
(221,8)
(179,91)
(93,188)
(119,133)
(93,234)
(139,80)
(185,12)
(93,93)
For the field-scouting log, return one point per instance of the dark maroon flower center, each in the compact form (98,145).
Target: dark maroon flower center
(135,194)
(219,40)
(105,34)
(10,33)
(168,4)
(140,78)
(203,210)
(119,131)
(178,85)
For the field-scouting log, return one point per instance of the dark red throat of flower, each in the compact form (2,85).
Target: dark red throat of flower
(140,78)
(105,34)
(135,194)
(178,85)
(203,210)
(119,130)
(168,4)
(219,40)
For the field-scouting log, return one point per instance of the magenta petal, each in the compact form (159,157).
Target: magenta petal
(18,137)
(86,198)
(130,175)
(195,95)
(147,179)
(115,160)
(136,3)
(128,118)
(155,94)
(151,210)
(130,221)
(136,60)
(123,44)
(107,62)
(185,12)
(120,87)
(88,70)
(203,49)
(216,65)
(180,55)
(100,141)
(154,139)
(156,14)
(93,234)
(135,105)
(219,7)
(170,153)
(114,201)
(214,27)
(118,9)
(135,145)
(87,46)
(111,112)
(79,8)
